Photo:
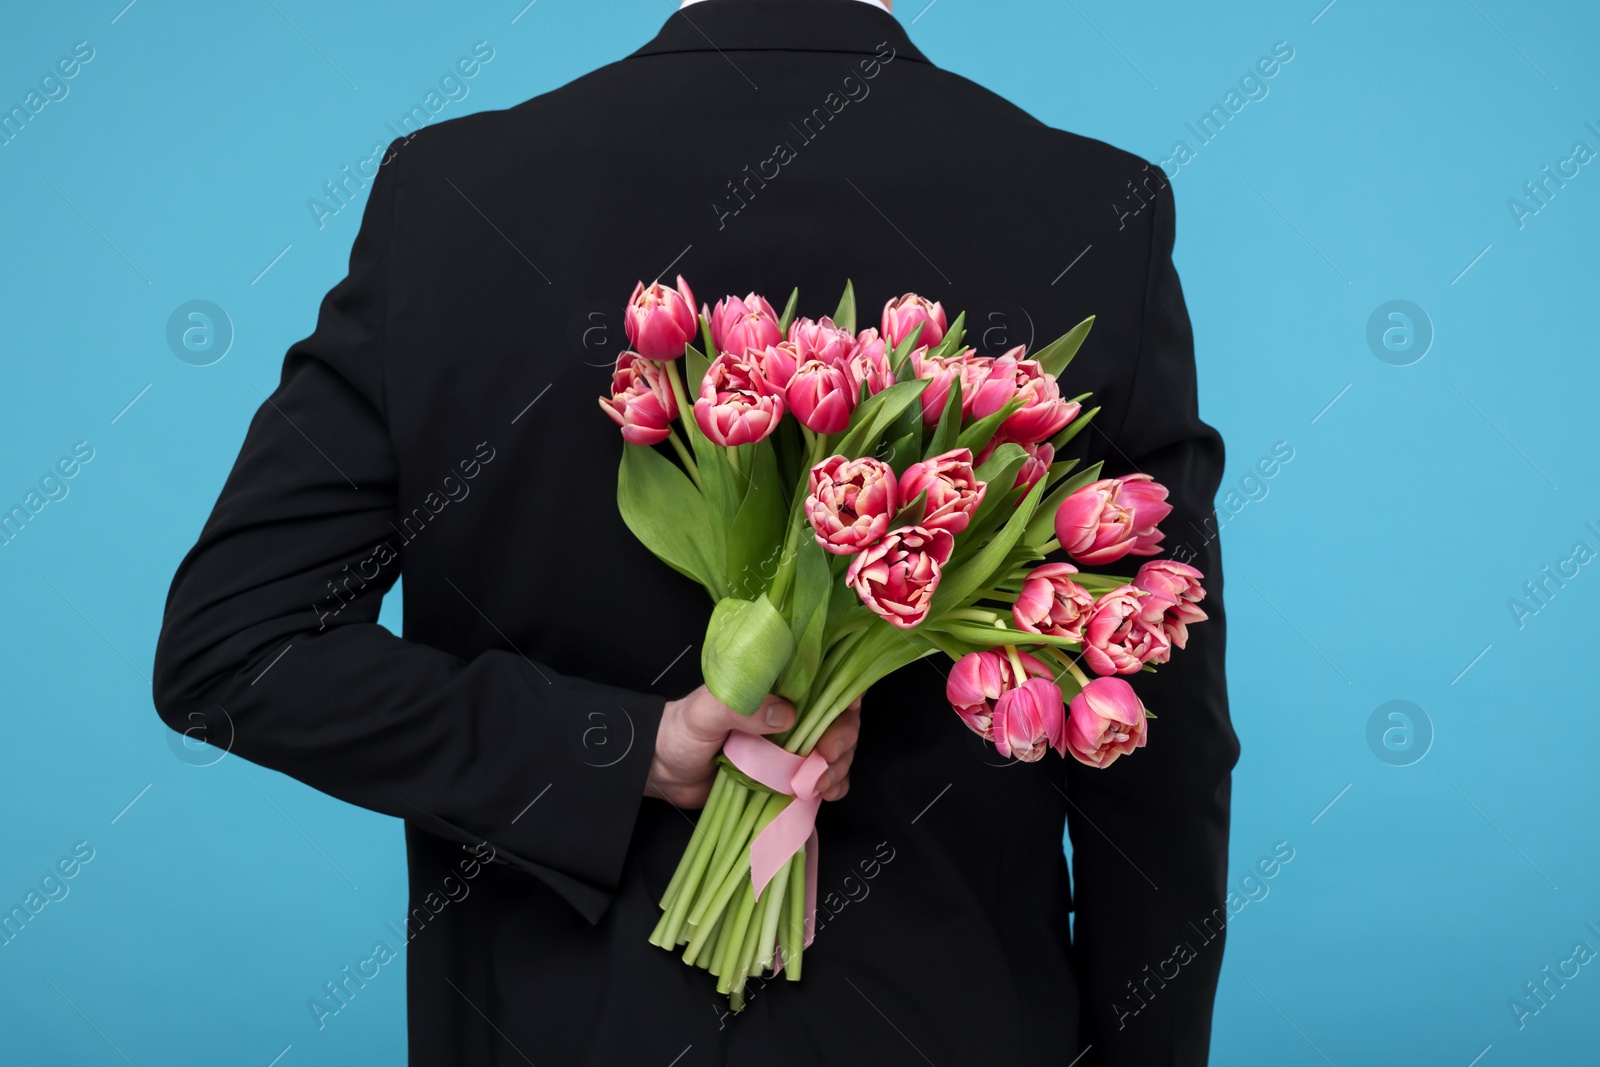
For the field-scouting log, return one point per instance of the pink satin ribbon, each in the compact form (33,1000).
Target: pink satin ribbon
(795,826)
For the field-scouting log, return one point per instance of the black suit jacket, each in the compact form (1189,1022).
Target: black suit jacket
(441,423)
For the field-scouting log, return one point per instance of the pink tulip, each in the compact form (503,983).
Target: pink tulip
(736,405)
(869,362)
(978,680)
(661,321)
(939,375)
(998,385)
(1034,468)
(1148,500)
(1175,595)
(1117,639)
(776,363)
(1106,520)
(641,400)
(821,341)
(851,502)
(821,397)
(743,326)
(901,316)
(1107,720)
(897,577)
(1029,719)
(954,491)
(1052,603)
(1043,413)
(969,369)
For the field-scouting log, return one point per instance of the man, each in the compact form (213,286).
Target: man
(441,422)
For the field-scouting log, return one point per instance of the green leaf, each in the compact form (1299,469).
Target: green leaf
(958,329)
(844,316)
(911,514)
(1021,556)
(1043,525)
(903,452)
(788,313)
(842,599)
(1083,478)
(1060,470)
(901,356)
(978,434)
(959,584)
(1055,356)
(950,343)
(999,472)
(871,420)
(668,515)
(884,650)
(717,477)
(908,424)
(949,428)
(756,536)
(1101,583)
(978,635)
(808,618)
(695,365)
(705,336)
(1072,429)
(748,642)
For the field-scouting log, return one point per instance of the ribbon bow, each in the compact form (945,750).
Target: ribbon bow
(795,826)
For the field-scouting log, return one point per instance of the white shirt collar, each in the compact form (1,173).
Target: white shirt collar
(874,3)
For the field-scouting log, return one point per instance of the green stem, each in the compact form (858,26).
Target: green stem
(1067,662)
(988,618)
(1016,662)
(731,971)
(685,409)
(789,562)
(718,946)
(849,631)
(1049,546)
(805,724)
(795,942)
(838,696)
(727,862)
(709,908)
(942,643)
(682,890)
(774,892)
(709,954)
(705,827)
(750,951)
(828,670)
(689,464)
(996,594)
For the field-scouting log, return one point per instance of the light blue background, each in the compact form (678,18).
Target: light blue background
(1377,567)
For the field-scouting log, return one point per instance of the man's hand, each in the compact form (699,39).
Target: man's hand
(692,732)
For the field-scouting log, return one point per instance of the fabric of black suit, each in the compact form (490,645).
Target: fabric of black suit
(441,422)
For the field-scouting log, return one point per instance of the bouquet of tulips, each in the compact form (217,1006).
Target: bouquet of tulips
(852,502)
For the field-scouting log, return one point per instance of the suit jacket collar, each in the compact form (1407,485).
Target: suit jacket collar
(785,25)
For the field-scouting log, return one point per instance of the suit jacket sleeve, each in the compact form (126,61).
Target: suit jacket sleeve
(460,747)
(1150,833)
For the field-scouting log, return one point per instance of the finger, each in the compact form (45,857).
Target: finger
(840,736)
(839,769)
(837,790)
(774,714)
